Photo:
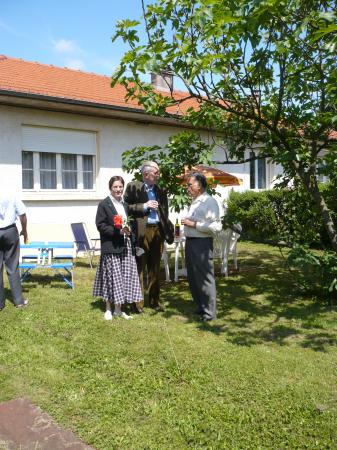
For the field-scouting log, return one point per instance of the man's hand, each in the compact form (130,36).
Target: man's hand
(188,223)
(152,204)
(23,220)
(25,236)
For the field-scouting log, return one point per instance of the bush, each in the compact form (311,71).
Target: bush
(255,212)
(290,217)
(281,215)
(317,272)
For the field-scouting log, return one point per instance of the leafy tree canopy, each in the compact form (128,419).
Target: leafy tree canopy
(262,73)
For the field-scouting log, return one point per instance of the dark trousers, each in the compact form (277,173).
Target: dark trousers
(200,274)
(9,257)
(150,262)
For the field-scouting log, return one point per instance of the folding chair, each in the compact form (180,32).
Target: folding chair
(83,241)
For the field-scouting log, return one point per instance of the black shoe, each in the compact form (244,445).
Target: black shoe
(206,319)
(136,309)
(158,308)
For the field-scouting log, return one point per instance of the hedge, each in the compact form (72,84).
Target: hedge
(280,215)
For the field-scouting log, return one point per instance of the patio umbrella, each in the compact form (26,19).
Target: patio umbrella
(213,176)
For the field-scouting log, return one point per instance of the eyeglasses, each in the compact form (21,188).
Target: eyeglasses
(153,172)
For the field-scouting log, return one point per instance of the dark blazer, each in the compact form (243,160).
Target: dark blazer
(135,196)
(112,240)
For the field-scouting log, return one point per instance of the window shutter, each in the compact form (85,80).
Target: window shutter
(58,140)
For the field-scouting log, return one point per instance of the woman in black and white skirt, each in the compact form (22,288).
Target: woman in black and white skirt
(117,280)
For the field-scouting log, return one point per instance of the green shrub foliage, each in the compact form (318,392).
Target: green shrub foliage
(288,216)
(316,272)
(280,215)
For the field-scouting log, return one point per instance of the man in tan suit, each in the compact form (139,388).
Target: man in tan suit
(148,205)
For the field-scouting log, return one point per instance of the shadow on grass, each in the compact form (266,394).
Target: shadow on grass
(98,304)
(36,281)
(85,264)
(259,304)
(8,295)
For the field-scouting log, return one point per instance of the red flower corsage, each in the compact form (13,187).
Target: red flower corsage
(118,221)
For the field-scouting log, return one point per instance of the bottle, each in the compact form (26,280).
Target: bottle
(177,228)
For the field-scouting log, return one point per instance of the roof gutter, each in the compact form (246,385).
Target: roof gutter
(31,100)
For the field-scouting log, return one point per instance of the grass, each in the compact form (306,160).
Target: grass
(262,376)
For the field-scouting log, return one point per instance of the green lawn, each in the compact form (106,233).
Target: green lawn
(262,376)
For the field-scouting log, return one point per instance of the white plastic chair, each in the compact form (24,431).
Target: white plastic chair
(165,258)
(178,247)
(225,244)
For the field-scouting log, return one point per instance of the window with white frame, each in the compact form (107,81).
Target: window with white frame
(88,171)
(47,163)
(27,170)
(57,171)
(258,173)
(57,159)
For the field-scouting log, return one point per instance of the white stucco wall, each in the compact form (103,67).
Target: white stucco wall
(50,213)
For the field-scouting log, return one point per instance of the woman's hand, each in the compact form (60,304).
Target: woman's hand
(126,231)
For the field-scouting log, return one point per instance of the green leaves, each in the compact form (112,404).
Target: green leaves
(183,149)
(262,73)
(289,217)
(317,272)
(125,30)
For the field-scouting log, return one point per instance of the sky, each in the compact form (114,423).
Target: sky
(65,33)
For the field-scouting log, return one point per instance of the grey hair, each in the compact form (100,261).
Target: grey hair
(149,165)
(200,178)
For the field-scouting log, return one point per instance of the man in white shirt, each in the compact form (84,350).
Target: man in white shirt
(201,224)
(11,208)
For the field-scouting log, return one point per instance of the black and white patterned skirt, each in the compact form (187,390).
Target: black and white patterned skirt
(117,278)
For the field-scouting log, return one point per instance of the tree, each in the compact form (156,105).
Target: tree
(261,73)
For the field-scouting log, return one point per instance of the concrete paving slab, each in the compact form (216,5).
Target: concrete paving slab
(25,426)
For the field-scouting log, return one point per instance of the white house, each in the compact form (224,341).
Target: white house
(62,134)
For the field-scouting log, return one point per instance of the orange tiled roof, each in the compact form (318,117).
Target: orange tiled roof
(28,77)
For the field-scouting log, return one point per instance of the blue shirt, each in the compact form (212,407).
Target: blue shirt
(153,216)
